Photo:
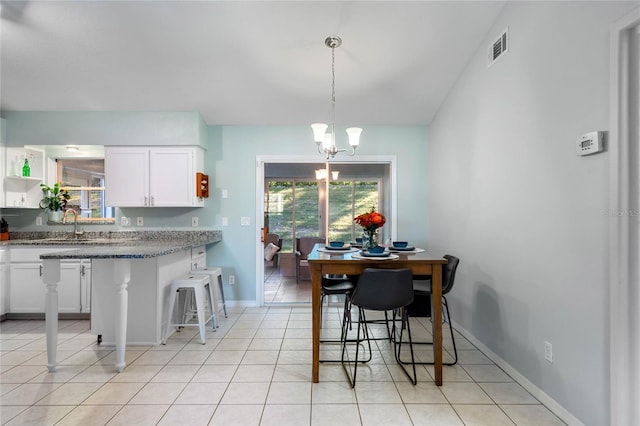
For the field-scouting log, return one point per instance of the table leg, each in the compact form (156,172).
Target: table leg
(316,283)
(436,316)
(122,276)
(51,277)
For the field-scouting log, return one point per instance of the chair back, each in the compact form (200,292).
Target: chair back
(274,239)
(449,273)
(304,245)
(383,289)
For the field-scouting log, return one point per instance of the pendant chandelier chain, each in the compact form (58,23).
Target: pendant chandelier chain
(326,143)
(333,97)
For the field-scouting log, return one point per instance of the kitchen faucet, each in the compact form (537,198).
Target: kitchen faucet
(76,233)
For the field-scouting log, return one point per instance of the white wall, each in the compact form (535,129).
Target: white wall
(509,196)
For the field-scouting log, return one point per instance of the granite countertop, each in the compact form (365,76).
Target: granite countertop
(116,245)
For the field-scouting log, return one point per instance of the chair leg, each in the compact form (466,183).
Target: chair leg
(200,312)
(221,288)
(445,303)
(404,320)
(446,318)
(172,301)
(362,322)
(346,326)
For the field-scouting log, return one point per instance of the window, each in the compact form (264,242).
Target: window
(296,208)
(347,199)
(84,179)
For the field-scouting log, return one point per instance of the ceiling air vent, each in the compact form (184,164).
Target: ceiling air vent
(498,48)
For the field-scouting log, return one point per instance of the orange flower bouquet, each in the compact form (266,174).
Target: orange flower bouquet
(370,223)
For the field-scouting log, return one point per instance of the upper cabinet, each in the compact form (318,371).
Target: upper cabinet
(152,176)
(20,190)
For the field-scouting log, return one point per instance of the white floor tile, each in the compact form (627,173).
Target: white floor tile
(433,415)
(94,415)
(139,415)
(245,393)
(187,415)
(384,415)
(41,415)
(286,415)
(338,414)
(237,415)
(482,415)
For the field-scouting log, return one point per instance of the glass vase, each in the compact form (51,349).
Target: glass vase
(369,239)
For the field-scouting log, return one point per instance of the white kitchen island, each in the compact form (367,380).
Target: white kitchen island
(129,287)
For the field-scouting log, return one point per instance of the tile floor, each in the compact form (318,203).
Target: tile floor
(254,370)
(281,289)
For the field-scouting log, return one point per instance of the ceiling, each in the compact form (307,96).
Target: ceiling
(240,62)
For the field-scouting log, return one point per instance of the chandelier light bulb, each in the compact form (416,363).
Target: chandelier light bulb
(354,136)
(319,130)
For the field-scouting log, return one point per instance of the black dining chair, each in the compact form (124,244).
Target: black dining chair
(340,285)
(422,289)
(380,290)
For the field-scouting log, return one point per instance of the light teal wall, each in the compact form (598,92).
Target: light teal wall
(104,128)
(230,161)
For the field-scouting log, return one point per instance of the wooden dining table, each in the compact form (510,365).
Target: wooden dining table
(323,261)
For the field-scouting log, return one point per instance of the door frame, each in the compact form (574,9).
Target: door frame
(624,300)
(261,160)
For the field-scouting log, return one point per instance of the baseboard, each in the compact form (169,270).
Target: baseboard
(538,393)
(40,316)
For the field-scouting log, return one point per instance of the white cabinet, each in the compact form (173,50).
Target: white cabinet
(23,191)
(152,176)
(27,291)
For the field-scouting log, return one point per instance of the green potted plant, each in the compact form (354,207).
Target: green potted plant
(54,200)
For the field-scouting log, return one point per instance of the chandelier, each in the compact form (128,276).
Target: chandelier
(326,142)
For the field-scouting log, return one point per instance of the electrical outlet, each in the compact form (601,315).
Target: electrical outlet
(39,221)
(232,279)
(245,221)
(194,221)
(125,221)
(139,221)
(225,193)
(548,351)
(225,221)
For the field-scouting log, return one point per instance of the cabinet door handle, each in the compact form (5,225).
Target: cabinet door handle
(40,270)
(146,200)
(82,271)
(152,201)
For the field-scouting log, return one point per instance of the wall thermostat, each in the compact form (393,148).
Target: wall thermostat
(590,143)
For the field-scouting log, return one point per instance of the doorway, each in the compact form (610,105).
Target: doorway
(624,215)
(295,197)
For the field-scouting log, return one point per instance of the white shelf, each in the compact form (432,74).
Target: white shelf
(25,178)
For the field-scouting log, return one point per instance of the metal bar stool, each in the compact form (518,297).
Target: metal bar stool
(215,274)
(199,285)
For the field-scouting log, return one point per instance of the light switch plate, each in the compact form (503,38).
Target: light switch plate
(225,221)
(245,221)
(225,193)
(125,221)
(194,221)
(140,221)
(39,221)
